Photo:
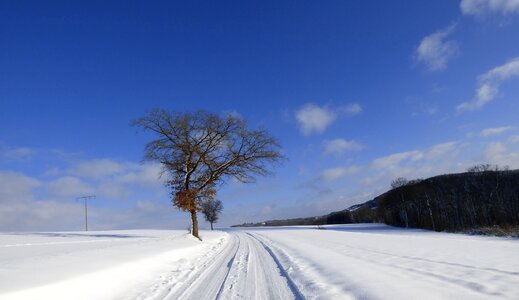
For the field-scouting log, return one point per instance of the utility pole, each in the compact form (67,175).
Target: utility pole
(86,208)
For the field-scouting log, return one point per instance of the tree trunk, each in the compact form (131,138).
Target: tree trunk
(404,212)
(211,225)
(194,224)
(430,212)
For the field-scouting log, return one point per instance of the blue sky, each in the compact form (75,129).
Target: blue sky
(357,92)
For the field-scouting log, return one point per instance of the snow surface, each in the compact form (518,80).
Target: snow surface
(360,261)
(93,265)
(375,261)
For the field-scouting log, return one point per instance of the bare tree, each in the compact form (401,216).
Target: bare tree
(211,210)
(398,182)
(486,167)
(200,150)
(482,168)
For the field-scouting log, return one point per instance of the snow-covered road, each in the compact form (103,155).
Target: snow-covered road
(360,261)
(140,265)
(241,268)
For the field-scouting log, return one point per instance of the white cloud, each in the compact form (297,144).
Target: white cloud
(113,190)
(503,72)
(69,186)
(114,179)
(352,109)
(494,131)
(425,109)
(336,173)
(24,208)
(144,175)
(484,7)
(47,203)
(435,50)
(106,178)
(30,215)
(314,119)
(19,154)
(498,153)
(439,150)
(20,211)
(14,186)
(96,168)
(514,139)
(435,152)
(494,150)
(339,146)
(489,83)
(437,159)
(391,161)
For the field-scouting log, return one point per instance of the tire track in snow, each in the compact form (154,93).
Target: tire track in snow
(257,274)
(424,267)
(186,273)
(432,261)
(284,273)
(208,282)
(240,268)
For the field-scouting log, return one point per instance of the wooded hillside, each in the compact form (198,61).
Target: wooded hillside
(453,202)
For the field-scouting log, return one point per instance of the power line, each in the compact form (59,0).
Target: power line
(86,208)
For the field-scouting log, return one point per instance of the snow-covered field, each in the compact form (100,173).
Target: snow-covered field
(361,261)
(370,261)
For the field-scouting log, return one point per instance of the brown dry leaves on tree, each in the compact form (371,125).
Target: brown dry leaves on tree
(186,200)
(191,200)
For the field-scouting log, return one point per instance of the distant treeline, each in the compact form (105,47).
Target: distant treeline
(454,202)
(360,213)
(482,197)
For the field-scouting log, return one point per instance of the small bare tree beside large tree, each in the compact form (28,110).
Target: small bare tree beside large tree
(201,150)
(211,210)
